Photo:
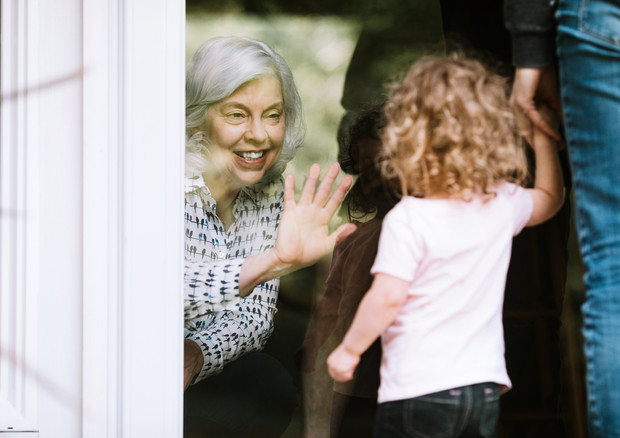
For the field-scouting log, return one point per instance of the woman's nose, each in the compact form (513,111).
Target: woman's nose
(256,131)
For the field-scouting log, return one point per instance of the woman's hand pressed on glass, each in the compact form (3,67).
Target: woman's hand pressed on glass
(303,233)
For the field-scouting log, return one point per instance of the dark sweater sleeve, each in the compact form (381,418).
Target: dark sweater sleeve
(531,24)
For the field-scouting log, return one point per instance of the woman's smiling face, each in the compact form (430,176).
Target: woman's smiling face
(245,133)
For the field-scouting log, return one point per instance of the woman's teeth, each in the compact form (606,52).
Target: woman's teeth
(251,155)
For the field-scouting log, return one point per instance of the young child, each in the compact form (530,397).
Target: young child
(439,275)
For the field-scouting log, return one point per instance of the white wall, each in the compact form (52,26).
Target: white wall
(91,258)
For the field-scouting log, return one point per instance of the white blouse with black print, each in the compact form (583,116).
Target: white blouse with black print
(223,324)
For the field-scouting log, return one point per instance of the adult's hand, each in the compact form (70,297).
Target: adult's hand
(192,361)
(303,233)
(532,86)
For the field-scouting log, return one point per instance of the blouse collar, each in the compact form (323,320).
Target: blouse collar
(196,184)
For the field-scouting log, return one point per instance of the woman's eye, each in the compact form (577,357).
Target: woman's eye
(274,116)
(236,117)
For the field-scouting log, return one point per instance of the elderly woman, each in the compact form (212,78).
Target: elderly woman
(243,227)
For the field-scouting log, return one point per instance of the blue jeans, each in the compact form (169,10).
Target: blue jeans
(469,411)
(588,41)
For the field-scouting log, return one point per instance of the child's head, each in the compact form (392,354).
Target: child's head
(359,153)
(451,131)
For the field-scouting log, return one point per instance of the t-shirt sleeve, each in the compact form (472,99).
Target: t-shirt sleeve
(400,247)
(522,204)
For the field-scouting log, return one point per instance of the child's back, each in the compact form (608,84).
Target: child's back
(454,255)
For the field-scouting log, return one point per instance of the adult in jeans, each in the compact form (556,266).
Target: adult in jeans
(585,35)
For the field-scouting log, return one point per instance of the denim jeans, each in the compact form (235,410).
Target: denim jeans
(588,41)
(469,411)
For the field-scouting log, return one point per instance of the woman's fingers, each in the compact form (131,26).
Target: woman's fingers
(320,196)
(303,234)
(289,191)
(326,185)
(307,193)
(338,196)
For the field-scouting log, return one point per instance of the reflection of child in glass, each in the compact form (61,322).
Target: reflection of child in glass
(354,402)
(439,275)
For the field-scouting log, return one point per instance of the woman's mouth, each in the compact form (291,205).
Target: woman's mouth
(251,156)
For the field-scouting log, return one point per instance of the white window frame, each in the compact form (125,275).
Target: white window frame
(122,364)
(18,289)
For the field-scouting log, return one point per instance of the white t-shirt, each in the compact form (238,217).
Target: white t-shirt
(449,331)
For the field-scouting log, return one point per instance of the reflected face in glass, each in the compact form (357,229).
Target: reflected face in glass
(245,132)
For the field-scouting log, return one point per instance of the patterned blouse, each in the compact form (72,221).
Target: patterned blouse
(223,324)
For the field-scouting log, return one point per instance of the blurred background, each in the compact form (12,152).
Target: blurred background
(342,54)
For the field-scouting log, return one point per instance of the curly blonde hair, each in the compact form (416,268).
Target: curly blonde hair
(451,131)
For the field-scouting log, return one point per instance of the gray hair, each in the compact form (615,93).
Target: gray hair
(215,71)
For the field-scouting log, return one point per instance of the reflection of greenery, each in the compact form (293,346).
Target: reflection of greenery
(318,50)
(358,8)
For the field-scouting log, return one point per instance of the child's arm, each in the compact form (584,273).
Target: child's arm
(548,190)
(375,313)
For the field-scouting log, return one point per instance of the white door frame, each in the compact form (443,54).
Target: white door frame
(134,85)
(18,220)
(114,200)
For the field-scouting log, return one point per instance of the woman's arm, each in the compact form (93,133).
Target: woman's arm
(302,239)
(376,312)
(225,337)
(210,286)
